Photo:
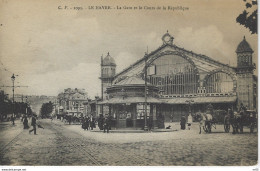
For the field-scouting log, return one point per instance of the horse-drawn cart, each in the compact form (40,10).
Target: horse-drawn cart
(237,120)
(246,118)
(209,121)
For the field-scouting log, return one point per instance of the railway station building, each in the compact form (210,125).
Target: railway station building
(179,81)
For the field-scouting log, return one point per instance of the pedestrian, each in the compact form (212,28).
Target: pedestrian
(12,119)
(83,123)
(150,123)
(171,117)
(92,122)
(69,119)
(106,124)
(87,122)
(100,122)
(189,121)
(25,123)
(33,124)
(183,122)
(109,121)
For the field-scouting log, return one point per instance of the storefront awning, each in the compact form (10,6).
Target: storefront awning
(199,100)
(129,100)
(180,100)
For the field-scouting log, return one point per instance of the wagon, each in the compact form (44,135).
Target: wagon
(247,118)
(218,117)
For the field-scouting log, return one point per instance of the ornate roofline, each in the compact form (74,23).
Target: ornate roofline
(198,56)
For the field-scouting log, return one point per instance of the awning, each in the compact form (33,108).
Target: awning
(178,100)
(199,100)
(128,100)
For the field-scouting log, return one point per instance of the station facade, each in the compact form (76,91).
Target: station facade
(179,82)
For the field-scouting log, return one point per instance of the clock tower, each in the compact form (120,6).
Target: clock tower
(108,71)
(246,82)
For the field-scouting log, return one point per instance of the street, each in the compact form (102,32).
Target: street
(59,144)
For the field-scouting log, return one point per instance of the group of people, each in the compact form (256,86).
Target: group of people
(33,124)
(88,123)
(104,123)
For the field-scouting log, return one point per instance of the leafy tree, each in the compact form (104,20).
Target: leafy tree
(46,109)
(248,17)
(7,107)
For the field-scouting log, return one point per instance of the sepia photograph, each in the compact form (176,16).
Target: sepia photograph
(128,83)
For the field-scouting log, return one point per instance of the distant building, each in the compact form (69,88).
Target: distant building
(92,108)
(71,102)
(183,78)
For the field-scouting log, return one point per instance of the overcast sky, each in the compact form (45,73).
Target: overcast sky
(53,49)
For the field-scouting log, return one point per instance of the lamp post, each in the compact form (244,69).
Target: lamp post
(13,78)
(190,101)
(145,95)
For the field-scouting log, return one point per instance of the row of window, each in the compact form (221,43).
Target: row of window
(176,75)
(108,72)
(244,59)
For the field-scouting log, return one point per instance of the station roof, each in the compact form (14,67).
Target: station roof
(133,80)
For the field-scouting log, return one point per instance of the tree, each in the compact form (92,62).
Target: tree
(248,17)
(46,109)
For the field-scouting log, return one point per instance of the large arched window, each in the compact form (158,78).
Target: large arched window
(219,82)
(174,75)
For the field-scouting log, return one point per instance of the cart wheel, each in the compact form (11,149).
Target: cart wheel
(227,128)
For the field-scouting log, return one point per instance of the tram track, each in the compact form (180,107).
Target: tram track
(5,147)
(75,144)
(123,155)
(10,143)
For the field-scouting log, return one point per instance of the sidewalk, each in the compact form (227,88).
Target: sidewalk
(132,136)
(175,126)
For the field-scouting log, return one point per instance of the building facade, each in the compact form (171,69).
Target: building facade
(71,102)
(189,81)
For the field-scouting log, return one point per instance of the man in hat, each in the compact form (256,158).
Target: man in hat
(33,124)
(183,122)
(106,124)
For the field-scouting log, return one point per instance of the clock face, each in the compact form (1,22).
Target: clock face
(167,39)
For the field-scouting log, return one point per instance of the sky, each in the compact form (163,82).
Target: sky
(51,49)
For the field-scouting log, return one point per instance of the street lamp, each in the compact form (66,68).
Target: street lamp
(190,101)
(145,93)
(13,78)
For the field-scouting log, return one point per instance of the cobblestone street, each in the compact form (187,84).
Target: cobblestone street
(60,144)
